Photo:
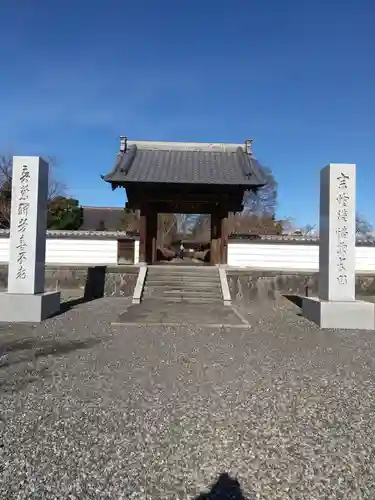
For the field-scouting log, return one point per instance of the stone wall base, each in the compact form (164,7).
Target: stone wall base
(245,285)
(91,282)
(28,308)
(248,285)
(354,315)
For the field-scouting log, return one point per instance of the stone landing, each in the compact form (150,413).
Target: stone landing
(162,312)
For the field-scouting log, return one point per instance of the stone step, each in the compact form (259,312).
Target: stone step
(166,280)
(187,300)
(183,276)
(208,276)
(182,270)
(183,293)
(191,288)
(183,284)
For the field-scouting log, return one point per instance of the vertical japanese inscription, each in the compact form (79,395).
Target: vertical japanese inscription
(342,231)
(23,205)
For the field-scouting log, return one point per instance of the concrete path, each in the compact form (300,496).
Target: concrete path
(161,312)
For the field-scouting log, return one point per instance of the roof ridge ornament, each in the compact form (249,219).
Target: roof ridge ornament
(249,147)
(123,143)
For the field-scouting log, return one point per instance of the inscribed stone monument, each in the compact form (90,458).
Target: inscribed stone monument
(25,299)
(336,306)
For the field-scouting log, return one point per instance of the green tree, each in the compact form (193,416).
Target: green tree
(64,214)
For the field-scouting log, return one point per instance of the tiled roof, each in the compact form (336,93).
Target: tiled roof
(287,239)
(186,165)
(82,234)
(102,218)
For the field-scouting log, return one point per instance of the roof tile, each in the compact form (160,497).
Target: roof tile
(186,167)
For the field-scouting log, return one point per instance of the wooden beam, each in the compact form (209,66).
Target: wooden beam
(165,200)
(182,207)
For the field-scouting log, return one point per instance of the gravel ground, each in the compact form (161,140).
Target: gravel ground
(90,411)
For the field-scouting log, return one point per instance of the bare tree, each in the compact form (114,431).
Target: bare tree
(363,227)
(186,222)
(254,224)
(55,187)
(167,228)
(289,225)
(202,228)
(5,190)
(264,200)
(167,225)
(308,229)
(129,221)
(241,223)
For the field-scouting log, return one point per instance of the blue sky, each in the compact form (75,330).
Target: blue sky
(296,76)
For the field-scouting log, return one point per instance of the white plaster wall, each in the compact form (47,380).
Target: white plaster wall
(272,256)
(289,257)
(136,252)
(72,251)
(365,259)
(77,251)
(4,249)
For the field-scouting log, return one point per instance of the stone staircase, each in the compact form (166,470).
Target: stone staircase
(197,284)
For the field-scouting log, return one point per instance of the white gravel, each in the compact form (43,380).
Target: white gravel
(89,411)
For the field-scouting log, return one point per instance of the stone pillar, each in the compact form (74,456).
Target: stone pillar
(337,229)
(336,306)
(25,299)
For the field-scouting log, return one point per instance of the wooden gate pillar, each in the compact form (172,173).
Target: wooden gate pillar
(224,239)
(142,237)
(151,233)
(215,238)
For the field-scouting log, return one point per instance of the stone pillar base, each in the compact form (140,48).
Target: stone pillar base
(25,308)
(353,315)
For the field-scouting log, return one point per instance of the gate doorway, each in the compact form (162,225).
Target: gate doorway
(183,239)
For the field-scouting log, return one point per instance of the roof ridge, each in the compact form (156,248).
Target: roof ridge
(186,146)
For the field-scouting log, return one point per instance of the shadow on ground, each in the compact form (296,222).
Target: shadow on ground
(23,378)
(225,488)
(24,354)
(295,299)
(94,289)
(18,351)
